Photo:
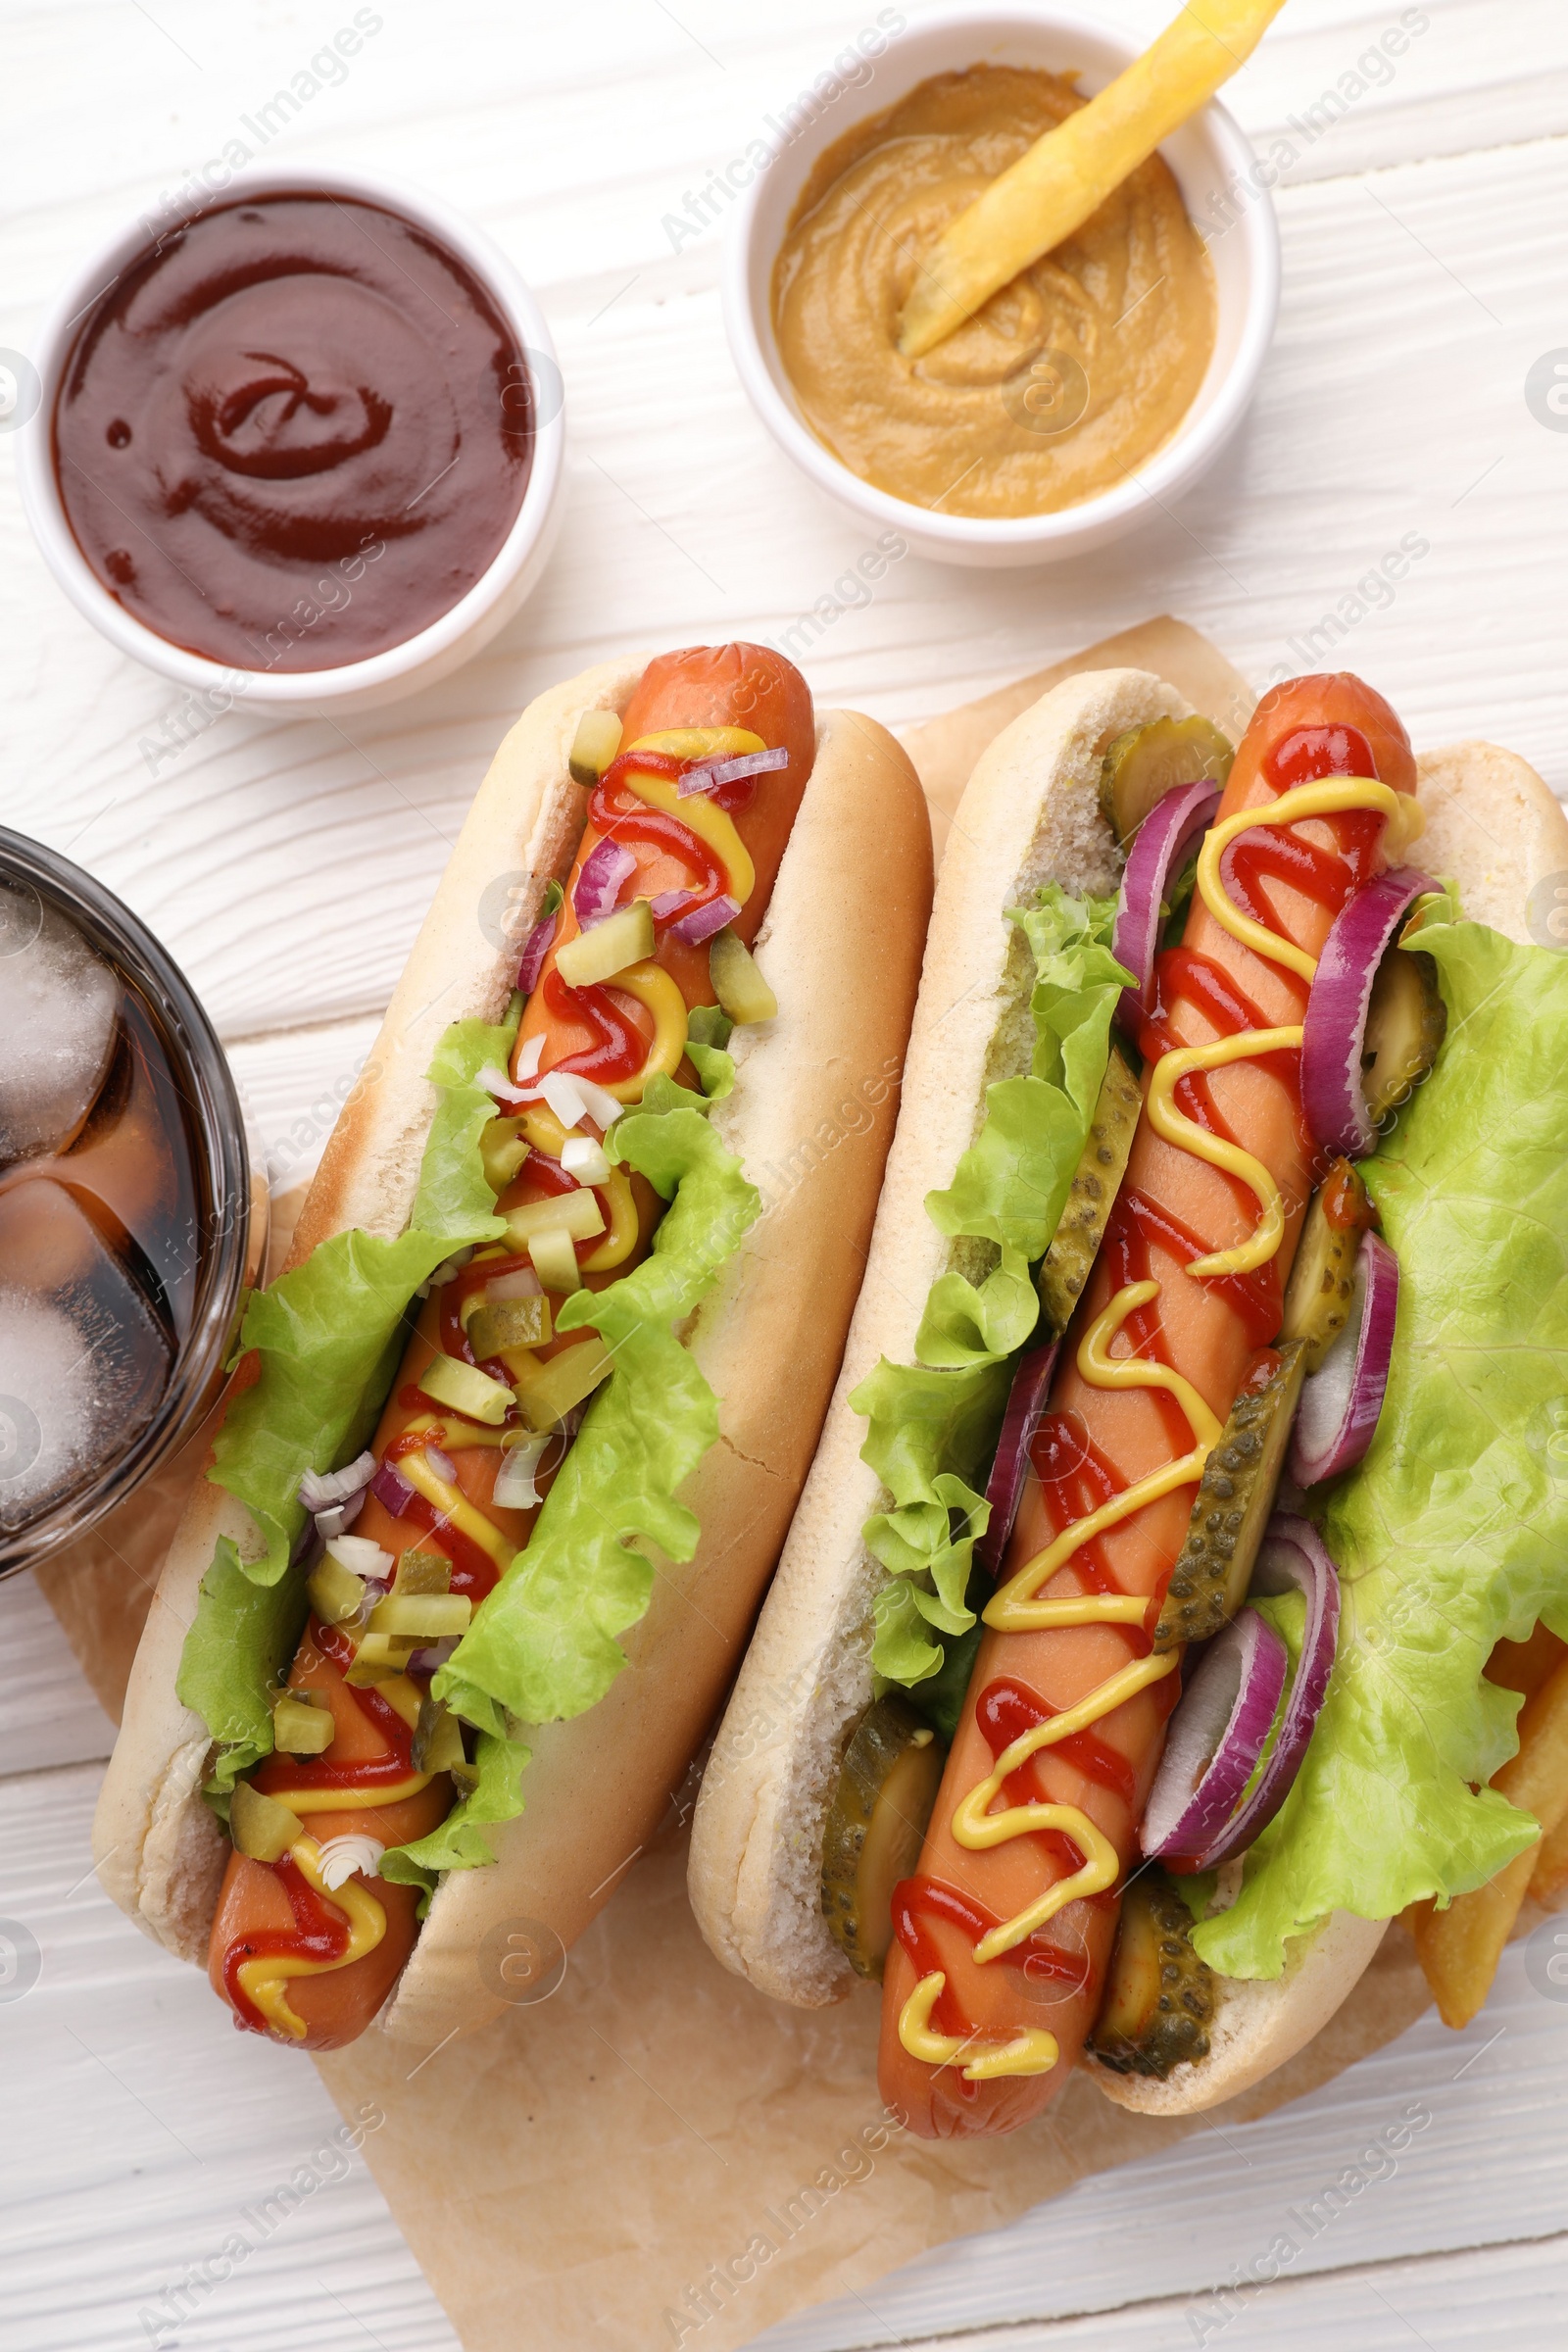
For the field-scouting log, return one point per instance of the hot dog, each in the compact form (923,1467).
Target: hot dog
(492,1394)
(1176,1436)
(1203,1332)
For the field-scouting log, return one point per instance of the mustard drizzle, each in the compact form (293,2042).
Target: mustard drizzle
(1016,1608)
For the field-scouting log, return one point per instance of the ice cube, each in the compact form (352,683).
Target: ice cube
(59,1021)
(84,1362)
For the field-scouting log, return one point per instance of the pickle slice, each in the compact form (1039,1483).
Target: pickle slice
(887,1786)
(1159,1997)
(1145,762)
(260,1826)
(1405,1023)
(1235,1498)
(1096,1180)
(1318,1303)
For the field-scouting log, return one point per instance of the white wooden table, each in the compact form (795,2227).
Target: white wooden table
(287,866)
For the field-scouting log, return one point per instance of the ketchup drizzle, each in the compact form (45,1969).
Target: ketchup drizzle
(279,1773)
(321,1932)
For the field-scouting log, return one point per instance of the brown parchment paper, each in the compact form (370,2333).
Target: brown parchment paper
(642,2151)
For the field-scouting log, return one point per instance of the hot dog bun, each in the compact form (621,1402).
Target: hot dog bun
(810,1117)
(1030,812)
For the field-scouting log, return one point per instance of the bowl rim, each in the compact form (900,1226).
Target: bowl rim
(45,508)
(216,1113)
(1185,454)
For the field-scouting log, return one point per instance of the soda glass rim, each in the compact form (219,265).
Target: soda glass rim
(215,1128)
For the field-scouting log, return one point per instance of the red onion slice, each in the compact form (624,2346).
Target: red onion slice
(1159,847)
(1216,1735)
(442,1464)
(391,1489)
(540,939)
(730,772)
(1342,1398)
(1334,1024)
(604,870)
(1290,1555)
(702,923)
(670,902)
(1026,1404)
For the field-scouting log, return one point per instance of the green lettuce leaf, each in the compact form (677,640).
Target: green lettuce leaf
(1011,1185)
(235,1655)
(459,1842)
(325,1339)
(934,1424)
(328,1335)
(1453,1531)
(544,1643)
(931,1437)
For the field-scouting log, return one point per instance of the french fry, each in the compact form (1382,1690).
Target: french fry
(1053,189)
(1460,1948)
(1548,1880)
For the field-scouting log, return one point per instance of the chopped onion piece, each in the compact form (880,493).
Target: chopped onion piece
(1216,1735)
(341,1857)
(392,1492)
(585,1160)
(563,1095)
(360,1556)
(515,1488)
(319,1488)
(730,772)
(702,923)
(671,902)
(600,1105)
(1334,1024)
(1158,846)
(495,1081)
(607,864)
(526,1065)
(339,1516)
(442,1464)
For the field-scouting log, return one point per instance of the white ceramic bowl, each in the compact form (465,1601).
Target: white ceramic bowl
(435,651)
(1209,157)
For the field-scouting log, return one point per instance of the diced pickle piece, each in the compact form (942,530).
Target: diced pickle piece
(566,1380)
(260,1826)
(437,1739)
(554,1260)
(594,745)
(1318,1303)
(622,938)
(503,1148)
(422,1616)
(1235,1498)
(420,1571)
(742,992)
(465,1390)
(508,1323)
(300,1727)
(1404,1027)
(1145,762)
(1096,1180)
(336,1594)
(887,1786)
(575,1213)
(1159,1997)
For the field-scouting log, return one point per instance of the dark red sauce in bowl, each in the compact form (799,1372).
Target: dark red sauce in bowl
(293,433)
